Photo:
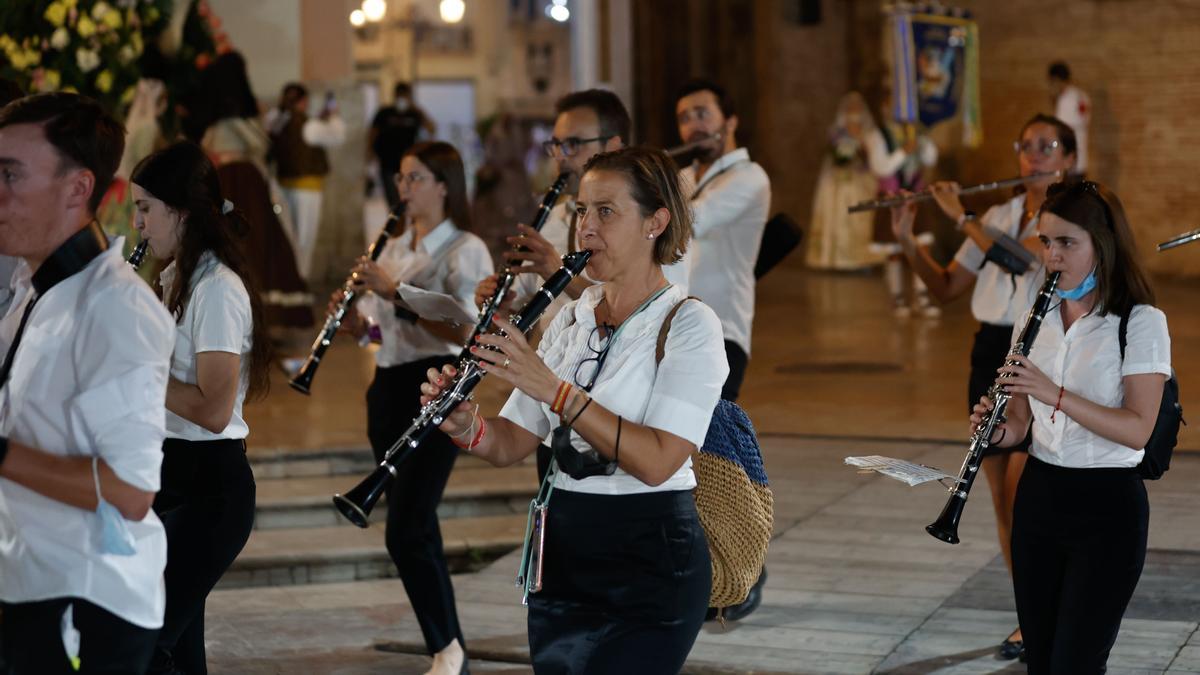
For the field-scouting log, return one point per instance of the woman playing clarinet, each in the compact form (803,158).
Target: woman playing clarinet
(1090,400)
(221,355)
(624,576)
(435,252)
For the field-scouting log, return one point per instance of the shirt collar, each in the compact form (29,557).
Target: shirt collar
(433,241)
(722,163)
(585,309)
(166,278)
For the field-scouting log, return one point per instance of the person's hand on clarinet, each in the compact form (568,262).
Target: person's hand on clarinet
(462,418)
(487,288)
(541,258)
(512,359)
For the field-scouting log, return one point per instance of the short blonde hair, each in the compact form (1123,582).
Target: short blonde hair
(654,183)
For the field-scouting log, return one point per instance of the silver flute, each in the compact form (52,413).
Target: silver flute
(1185,238)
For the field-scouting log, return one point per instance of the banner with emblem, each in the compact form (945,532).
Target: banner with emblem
(935,67)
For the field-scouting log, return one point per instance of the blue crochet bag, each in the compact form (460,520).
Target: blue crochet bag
(733,498)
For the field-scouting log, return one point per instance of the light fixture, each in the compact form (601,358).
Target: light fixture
(452,10)
(357,18)
(374,10)
(558,12)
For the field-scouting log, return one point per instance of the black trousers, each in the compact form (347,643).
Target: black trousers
(625,584)
(390,192)
(738,360)
(414,539)
(33,639)
(206,505)
(1078,546)
(992,344)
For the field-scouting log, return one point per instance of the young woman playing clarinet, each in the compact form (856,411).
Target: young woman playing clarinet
(221,355)
(436,253)
(1081,515)
(626,571)
(998,294)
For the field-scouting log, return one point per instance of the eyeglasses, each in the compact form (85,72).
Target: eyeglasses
(569,146)
(598,343)
(412,178)
(1027,148)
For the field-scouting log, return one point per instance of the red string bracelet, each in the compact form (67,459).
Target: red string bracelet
(1058,405)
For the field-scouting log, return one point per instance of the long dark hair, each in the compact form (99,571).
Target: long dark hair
(182,176)
(1121,282)
(446,165)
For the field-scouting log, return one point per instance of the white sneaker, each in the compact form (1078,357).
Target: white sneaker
(900,309)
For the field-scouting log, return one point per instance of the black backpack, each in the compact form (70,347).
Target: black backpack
(1166,428)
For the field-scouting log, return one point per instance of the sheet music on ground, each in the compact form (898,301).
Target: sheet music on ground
(902,470)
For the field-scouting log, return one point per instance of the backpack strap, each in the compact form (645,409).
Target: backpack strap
(1121,330)
(666,328)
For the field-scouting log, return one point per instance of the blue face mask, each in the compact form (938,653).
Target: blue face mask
(115,537)
(1086,286)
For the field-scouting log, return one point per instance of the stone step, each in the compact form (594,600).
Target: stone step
(282,557)
(270,463)
(471,491)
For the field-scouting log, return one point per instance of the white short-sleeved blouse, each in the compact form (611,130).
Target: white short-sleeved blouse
(677,396)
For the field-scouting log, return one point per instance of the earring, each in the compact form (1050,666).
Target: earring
(650,236)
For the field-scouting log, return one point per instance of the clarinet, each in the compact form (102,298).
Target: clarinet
(356,504)
(508,276)
(138,255)
(302,380)
(946,525)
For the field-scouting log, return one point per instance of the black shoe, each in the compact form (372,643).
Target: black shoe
(1011,649)
(753,600)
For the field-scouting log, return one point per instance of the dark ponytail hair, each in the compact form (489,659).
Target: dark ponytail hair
(183,177)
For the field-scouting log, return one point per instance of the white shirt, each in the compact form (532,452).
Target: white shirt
(729,214)
(1075,108)
(216,318)
(1087,362)
(447,260)
(999,297)
(88,379)
(677,396)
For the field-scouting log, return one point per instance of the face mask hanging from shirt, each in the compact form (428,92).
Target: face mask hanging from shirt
(115,537)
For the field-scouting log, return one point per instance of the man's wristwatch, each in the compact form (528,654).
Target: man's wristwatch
(962,220)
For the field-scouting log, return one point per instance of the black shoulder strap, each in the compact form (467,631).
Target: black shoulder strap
(1121,332)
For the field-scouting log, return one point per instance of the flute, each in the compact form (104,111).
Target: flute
(924,195)
(688,147)
(1185,238)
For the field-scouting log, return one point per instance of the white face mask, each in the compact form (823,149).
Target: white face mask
(115,537)
(403,104)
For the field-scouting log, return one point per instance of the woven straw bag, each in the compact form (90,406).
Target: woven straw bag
(733,499)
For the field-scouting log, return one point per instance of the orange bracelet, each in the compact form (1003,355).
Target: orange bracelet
(560,398)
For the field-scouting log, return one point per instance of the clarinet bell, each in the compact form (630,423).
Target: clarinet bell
(356,505)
